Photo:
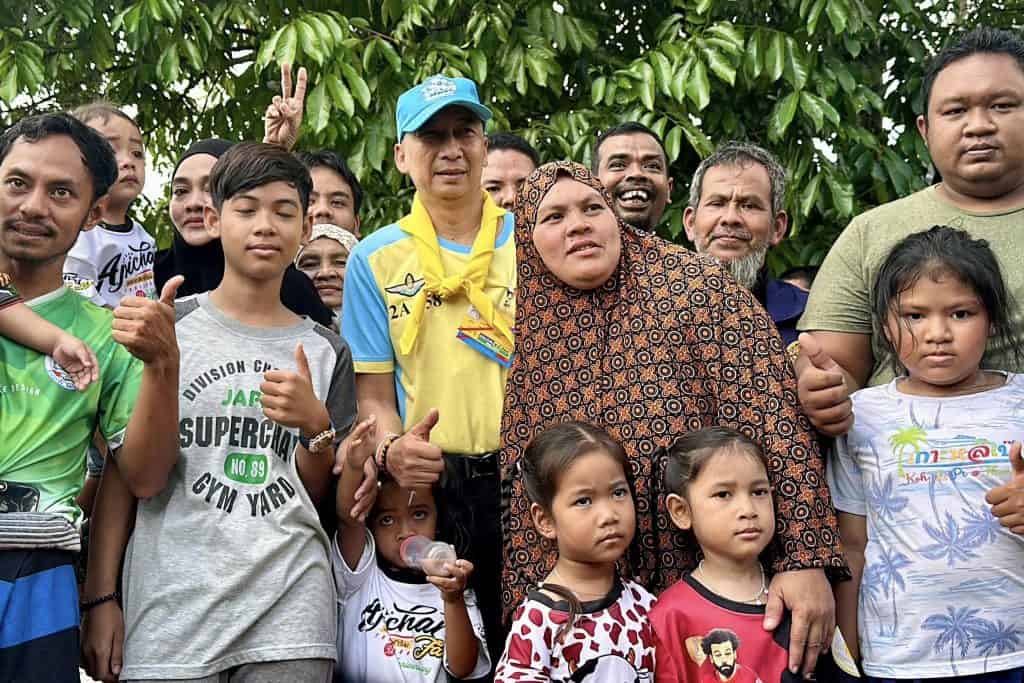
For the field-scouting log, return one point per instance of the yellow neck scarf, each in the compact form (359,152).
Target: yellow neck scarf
(471,280)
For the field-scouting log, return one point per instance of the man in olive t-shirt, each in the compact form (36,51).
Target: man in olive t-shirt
(973,126)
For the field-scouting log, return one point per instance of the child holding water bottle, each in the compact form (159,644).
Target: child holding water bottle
(405,613)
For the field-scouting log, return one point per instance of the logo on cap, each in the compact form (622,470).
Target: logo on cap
(438,86)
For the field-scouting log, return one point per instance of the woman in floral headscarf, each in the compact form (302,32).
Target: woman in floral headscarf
(648,340)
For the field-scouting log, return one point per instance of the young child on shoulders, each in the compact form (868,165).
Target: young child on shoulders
(115,258)
(583,623)
(928,480)
(398,621)
(21,324)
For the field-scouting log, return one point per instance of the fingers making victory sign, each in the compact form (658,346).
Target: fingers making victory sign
(1007,501)
(288,397)
(284,115)
(146,327)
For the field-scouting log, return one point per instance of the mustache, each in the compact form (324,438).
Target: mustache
(17,224)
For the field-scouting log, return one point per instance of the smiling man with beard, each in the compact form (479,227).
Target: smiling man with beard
(735,216)
(630,161)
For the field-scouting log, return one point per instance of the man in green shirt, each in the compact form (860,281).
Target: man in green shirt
(53,172)
(973,125)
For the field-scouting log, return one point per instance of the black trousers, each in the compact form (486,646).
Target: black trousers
(470,487)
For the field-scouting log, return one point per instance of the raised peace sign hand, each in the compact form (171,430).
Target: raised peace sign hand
(284,115)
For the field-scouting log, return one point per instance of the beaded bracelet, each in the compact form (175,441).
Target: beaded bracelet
(381,456)
(87,605)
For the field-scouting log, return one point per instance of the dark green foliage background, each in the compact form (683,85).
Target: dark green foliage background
(831,86)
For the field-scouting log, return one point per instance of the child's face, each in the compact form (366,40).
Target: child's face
(592,517)
(126,140)
(939,330)
(728,506)
(260,229)
(393,520)
(190,195)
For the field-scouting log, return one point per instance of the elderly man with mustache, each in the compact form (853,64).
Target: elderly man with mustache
(735,216)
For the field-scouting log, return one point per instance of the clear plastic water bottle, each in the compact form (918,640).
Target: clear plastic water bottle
(419,552)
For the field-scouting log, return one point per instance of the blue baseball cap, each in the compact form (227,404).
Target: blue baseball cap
(420,102)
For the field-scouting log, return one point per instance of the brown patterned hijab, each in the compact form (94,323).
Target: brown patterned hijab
(669,344)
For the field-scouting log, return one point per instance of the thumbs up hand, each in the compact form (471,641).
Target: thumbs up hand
(1007,501)
(146,327)
(822,390)
(412,460)
(288,398)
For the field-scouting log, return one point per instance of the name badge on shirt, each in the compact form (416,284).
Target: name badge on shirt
(484,338)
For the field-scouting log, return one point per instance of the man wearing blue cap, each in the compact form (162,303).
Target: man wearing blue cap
(428,308)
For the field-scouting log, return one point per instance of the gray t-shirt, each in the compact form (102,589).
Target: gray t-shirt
(229,564)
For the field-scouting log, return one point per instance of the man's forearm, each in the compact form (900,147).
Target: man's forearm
(110,527)
(150,447)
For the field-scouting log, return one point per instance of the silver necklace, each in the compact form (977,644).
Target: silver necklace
(558,577)
(756,600)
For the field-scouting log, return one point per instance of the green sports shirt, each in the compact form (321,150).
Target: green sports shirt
(46,424)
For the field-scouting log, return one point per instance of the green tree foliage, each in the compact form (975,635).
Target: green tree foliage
(831,86)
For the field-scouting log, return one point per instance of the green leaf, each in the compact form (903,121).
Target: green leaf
(309,41)
(809,105)
(167,67)
(663,69)
(478,62)
(842,194)
(356,85)
(537,66)
(729,34)
(266,52)
(698,141)
(9,87)
(703,6)
(195,59)
(754,59)
(368,54)
(673,143)
(721,66)
(809,195)
(597,90)
(681,79)
(838,14)
(340,94)
(796,65)
(814,15)
(287,45)
(775,58)
(782,115)
(699,88)
(318,107)
(647,83)
(391,55)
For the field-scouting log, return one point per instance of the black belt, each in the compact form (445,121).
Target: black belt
(473,466)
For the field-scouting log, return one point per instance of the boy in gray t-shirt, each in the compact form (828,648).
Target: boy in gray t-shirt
(227,574)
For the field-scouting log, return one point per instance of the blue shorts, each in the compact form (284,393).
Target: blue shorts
(1008,676)
(38,616)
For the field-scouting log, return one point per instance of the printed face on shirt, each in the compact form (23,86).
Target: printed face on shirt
(975,125)
(577,235)
(939,328)
(332,201)
(45,199)
(504,175)
(634,169)
(190,195)
(260,229)
(723,657)
(733,219)
(592,516)
(446,156)
(393,519)
(728,506)
(126,140)
(323,260)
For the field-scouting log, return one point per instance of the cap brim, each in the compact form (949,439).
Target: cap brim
(482,112)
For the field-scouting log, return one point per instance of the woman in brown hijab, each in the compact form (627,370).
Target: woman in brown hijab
(648,340)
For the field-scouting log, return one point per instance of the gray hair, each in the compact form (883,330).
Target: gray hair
(741,154)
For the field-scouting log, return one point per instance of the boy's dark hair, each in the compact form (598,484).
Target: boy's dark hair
(719,635)
(980,40)
(627,128)
(693,450)
(332,160)
(513,142)
(97,154)
(254,164)
(102,110)
(942,250)
(806,273)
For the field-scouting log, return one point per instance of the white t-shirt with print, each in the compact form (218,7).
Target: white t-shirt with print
(943,587)
(106,265)
(393,632)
